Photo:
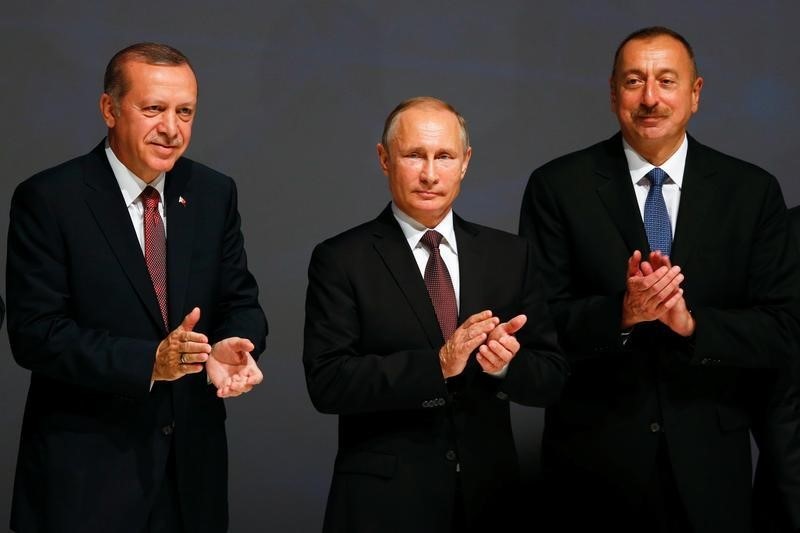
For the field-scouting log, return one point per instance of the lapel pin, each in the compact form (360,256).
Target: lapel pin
(182,201)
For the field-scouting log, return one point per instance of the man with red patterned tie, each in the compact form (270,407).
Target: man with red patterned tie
(130,301)
(420,328)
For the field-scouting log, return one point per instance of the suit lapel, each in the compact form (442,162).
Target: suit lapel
(392,247)
(616,193)
(181,208)
(105,201)
(698,198)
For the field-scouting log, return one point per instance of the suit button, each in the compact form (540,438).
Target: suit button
(705,361)
(502,396)
(440,401)
(450,455)
(655,427)
(167,430)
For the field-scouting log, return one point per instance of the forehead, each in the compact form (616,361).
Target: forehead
(427,122)
(176,80)
(662,51)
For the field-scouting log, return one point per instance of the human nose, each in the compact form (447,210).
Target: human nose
(169,124)
(428,172)
(650,95)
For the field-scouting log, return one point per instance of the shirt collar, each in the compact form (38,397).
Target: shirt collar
(414,231)
(129,183)
(674,166)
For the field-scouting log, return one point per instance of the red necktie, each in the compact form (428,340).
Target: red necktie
(155,248)
(440,286)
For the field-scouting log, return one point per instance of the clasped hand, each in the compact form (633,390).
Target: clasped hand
(494,341)
(228,364)
(653,292)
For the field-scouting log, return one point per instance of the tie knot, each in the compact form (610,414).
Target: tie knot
(657,177)
(431,239)
(150,197)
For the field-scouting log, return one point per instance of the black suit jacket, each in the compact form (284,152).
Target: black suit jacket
(371,356)
(84,318)
(732,243)
(776,491)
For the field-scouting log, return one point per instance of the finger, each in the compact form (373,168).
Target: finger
(477,317)
(514,325)
(190,358)
(646,267)
(674,299)
(486,365)
(667,285)
(500,351)
(472,344)
(633,263)
(191,368)
(661,278)
(190,336)
(511,344)
(191,320)
(241,345)
(491,353)
(255,375)
(483,327)
(195,347)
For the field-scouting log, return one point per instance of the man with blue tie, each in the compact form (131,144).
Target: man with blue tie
(673,281)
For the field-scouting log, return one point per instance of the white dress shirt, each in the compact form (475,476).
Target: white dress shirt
(674,167)
(448,249)
(132,186)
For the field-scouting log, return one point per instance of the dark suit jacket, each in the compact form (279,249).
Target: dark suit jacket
(742,280)
(776,492)
(2,311)
(371,356)
(84,318)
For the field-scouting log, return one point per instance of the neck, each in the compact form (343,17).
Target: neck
(657,152)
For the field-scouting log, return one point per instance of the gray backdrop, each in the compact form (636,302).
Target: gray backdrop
(292,99)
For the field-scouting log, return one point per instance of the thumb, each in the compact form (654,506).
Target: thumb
(633,264)
(242,345)
(515,324)
(191,320)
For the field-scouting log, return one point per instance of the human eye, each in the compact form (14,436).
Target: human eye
(632,81)
(152,110)
(185,113)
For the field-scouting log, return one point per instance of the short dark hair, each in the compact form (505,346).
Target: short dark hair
(421,101)
(650,33)
(115,84)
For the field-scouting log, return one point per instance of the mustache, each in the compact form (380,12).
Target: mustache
(651,112)
(163,140)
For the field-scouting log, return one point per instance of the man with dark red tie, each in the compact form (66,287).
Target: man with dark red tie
(130,301)
(420,328)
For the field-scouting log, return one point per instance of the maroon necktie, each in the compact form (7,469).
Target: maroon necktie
(440,286)
(155,248)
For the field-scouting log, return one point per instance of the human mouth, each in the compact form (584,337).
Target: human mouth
(426,195)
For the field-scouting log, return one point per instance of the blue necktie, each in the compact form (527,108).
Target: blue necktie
(656,217)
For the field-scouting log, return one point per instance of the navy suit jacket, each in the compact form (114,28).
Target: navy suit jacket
(84,318)
(371,356)
(742,279)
